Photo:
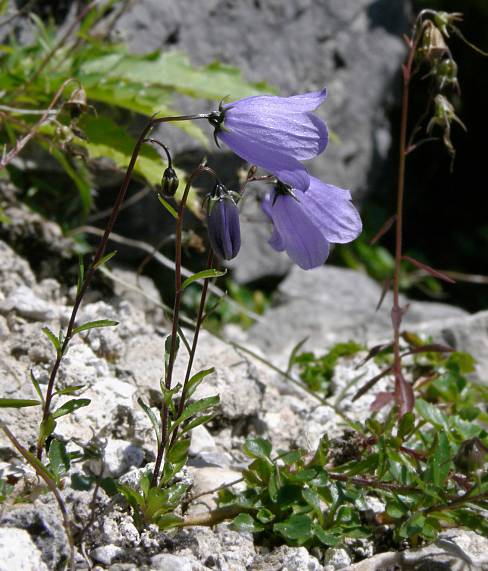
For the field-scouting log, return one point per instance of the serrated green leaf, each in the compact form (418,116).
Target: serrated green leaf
(167,521)
(246,523)
(94,325)
(432,414)
(70,406)
(297,528)
(257,448)
(205,274)
(18,403)
(325,537)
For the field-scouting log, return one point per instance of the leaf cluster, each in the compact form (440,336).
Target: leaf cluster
(427,471)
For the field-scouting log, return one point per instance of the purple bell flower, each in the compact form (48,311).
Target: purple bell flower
(305,223)
(224,231)
(274,133)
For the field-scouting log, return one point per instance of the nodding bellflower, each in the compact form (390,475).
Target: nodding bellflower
(224,232)
(305,223)
(274,133)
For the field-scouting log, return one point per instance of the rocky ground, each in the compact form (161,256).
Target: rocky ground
(118,365)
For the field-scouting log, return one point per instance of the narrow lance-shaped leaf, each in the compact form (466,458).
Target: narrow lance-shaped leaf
(205,274)
(195,381)
(104,259)
(95,324)
(36,386)
(54,340)
(152,418)
(18,403)
(168,207)
(70,406)
(429,270)
(195,408)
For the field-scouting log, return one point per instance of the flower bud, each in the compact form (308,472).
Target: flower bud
(445,20)
(433,44)
(471,455)
(170,182)
(224,230)
(77,103)
(446,72)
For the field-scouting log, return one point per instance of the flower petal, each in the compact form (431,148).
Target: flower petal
(224,229)
(302,240)
(330,209)
(287,168)
(299,135)
(295,104)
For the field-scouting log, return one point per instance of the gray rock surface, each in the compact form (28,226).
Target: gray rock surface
(18,552)
(354,48)
(287,559)
(118,364)
(332,304)
(455,550)
(43,523)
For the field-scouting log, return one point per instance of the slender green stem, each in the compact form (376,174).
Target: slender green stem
(99,254)
(191,357)
(176,318)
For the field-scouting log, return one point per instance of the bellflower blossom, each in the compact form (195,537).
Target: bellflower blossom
(223,226)
(305,223)
(274,133)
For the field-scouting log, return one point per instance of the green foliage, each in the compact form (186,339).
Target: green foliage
(106,84)
(317,371)
(156,503)
(428,470)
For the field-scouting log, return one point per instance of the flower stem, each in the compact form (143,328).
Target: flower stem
(403,390)
(198,325)
(163,444)
(97,257)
